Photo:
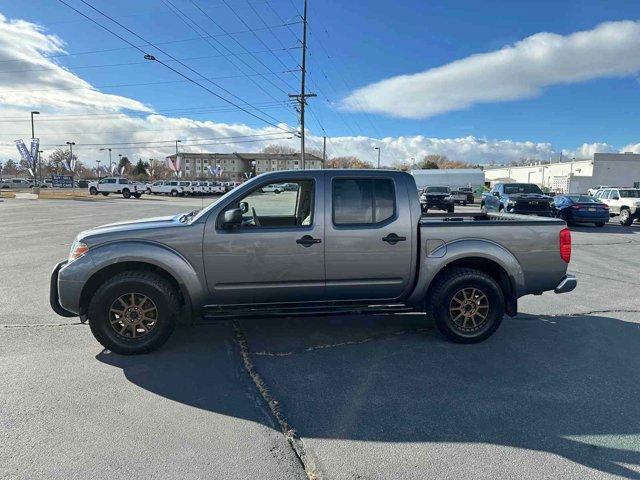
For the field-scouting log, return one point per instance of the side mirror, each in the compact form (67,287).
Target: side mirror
(496,194)
(244,207)
(232,218)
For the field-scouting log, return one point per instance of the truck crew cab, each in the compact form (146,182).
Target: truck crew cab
(341,240)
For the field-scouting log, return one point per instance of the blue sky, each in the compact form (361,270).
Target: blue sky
(352,45)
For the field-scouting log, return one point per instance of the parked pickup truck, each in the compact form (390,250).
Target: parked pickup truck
(438,198)
(522,198)
(108,185)
(343,241)
(624,202)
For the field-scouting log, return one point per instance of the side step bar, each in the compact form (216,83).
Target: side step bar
(220,312)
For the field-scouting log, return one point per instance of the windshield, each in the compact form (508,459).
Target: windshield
(522,188)
(437,189)
(630,193)
(582,199)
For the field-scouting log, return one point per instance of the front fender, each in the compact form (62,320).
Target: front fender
(190,282)
(469,248)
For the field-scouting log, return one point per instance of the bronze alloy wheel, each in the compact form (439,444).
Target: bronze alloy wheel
(469,309)
(133,315)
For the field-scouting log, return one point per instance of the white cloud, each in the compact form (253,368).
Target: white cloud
(30,78)
(516,71)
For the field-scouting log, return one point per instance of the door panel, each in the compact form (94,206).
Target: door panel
(360,265)
(268,264)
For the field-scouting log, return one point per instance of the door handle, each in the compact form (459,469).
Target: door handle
(307,241)
(392,239)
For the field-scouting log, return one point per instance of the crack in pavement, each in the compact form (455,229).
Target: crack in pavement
(605,278)
(371,338)
(27,325)
(306,460)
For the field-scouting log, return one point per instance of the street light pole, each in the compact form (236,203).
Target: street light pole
(378,149)
(71,144)
(35,160)
(98,162)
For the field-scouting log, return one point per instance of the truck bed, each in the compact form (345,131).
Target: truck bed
(484,219)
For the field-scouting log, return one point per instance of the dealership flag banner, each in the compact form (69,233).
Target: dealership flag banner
(22,148)
(35,143)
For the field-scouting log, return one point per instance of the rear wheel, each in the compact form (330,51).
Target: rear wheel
(466,304)
(174,193)
(133,312)
(599,224)
(625,217)
(106,194)
(137,195)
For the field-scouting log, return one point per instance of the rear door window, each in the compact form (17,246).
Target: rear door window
(359,201)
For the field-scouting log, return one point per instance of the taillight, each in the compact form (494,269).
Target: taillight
(577,207)
(565,245)
(605,206)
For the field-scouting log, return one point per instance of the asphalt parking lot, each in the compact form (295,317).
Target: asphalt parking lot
(553,394)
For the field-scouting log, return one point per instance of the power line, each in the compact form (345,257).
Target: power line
(197,145)
(184,141)
(151,57)
(236,40)
(176,11)
(93,87)
(247,26)
(202,57)
(90,52)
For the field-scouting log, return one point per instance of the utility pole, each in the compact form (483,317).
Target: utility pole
(378,149)
(302,96)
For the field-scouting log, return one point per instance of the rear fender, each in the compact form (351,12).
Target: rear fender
(470,248)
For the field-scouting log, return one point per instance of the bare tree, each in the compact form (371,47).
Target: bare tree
(277,148)
(348,162)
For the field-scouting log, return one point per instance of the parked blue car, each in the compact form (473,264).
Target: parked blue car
(581,209)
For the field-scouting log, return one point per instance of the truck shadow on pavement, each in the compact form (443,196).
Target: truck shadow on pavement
(566,385)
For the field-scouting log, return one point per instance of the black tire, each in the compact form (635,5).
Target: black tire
(450,209)
(126,193)
(600,224)
(500,209)
(148,190)
(483,208)
(149,284)
(93,191)
(137,195)
(625,217)
(450,284)
(174,193)
(106,194)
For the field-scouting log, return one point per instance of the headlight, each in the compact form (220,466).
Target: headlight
(511,202)
(78,249)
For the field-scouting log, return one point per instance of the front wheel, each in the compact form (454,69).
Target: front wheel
(93,191)
(625,217)
(133,312)
(126,193)
(137,195)
(466,304)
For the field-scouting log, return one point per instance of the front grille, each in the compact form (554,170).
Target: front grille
(533,207)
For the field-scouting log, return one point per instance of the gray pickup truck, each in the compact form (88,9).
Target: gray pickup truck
(336,241)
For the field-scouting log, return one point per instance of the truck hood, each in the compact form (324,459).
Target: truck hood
(131,226)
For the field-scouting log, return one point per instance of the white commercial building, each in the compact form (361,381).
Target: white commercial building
(576,176)
(449,177)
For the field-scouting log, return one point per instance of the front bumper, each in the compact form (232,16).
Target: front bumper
(567,284)
(54,299)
